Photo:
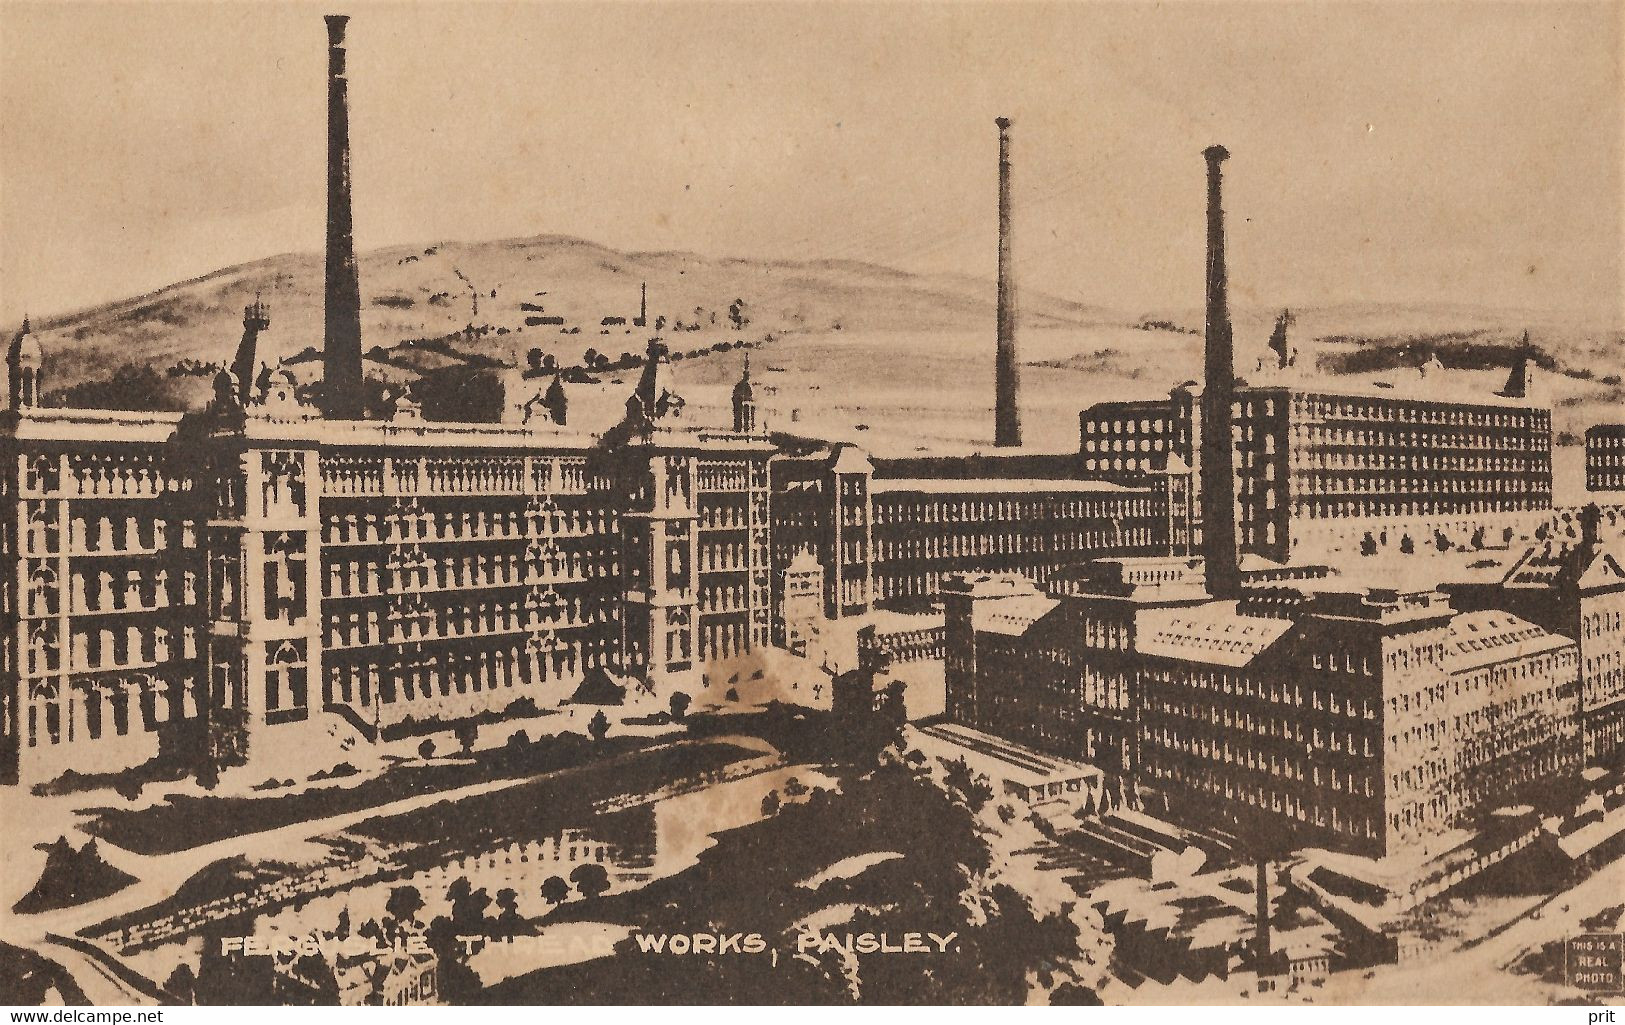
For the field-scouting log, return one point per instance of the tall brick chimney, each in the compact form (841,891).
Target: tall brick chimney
(341,349)
(1218,472)
(1007,375)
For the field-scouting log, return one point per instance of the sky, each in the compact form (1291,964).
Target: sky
(1461,153)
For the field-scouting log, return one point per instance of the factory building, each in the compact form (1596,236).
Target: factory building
(1574,585)
(196,583)
(886,540)
(1326,473)
(1291,709)
(1605,457)
(198,588)
(1372,722)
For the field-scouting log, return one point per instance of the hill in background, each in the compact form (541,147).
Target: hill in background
(897,361)
(503,289)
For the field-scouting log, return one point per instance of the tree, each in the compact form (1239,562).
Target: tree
(468,909)
(592,879)
(426,749)
(589,359)
(660,323)
(401,912)
(771,804)
(1074,994)
(1407,546)
(404,904)
(1368,544)
(599,726)
(465,394)
(129,386)
(466,732)
(555,890)
(509,920)
(533,359)
(679,705)
(970,788)
(181,983)
(736,315)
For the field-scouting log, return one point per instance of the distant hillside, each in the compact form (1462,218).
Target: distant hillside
(504,290)
(1360,338)
(901,362)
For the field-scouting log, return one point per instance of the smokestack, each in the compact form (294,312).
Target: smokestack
(1218,452)
(341,378)
(1517,386)
(1007,374)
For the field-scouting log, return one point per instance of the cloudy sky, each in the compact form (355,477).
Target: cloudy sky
(1451,153)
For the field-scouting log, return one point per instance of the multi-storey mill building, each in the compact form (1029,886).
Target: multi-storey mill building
(196,586)
(1333,472)
(1574,586)
(103,585)
(1376,721)
(201,587)
(1605,457)
(891,532)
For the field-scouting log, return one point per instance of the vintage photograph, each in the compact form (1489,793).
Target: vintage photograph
(762,503)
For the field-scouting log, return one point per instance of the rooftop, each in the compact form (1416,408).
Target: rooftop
(1451,387)
(1484,638)
(994,486)
(1012,616)
(1215,634)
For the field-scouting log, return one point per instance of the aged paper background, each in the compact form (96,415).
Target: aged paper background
(1419,199)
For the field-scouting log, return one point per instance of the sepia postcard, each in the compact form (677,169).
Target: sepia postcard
(1113,504)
